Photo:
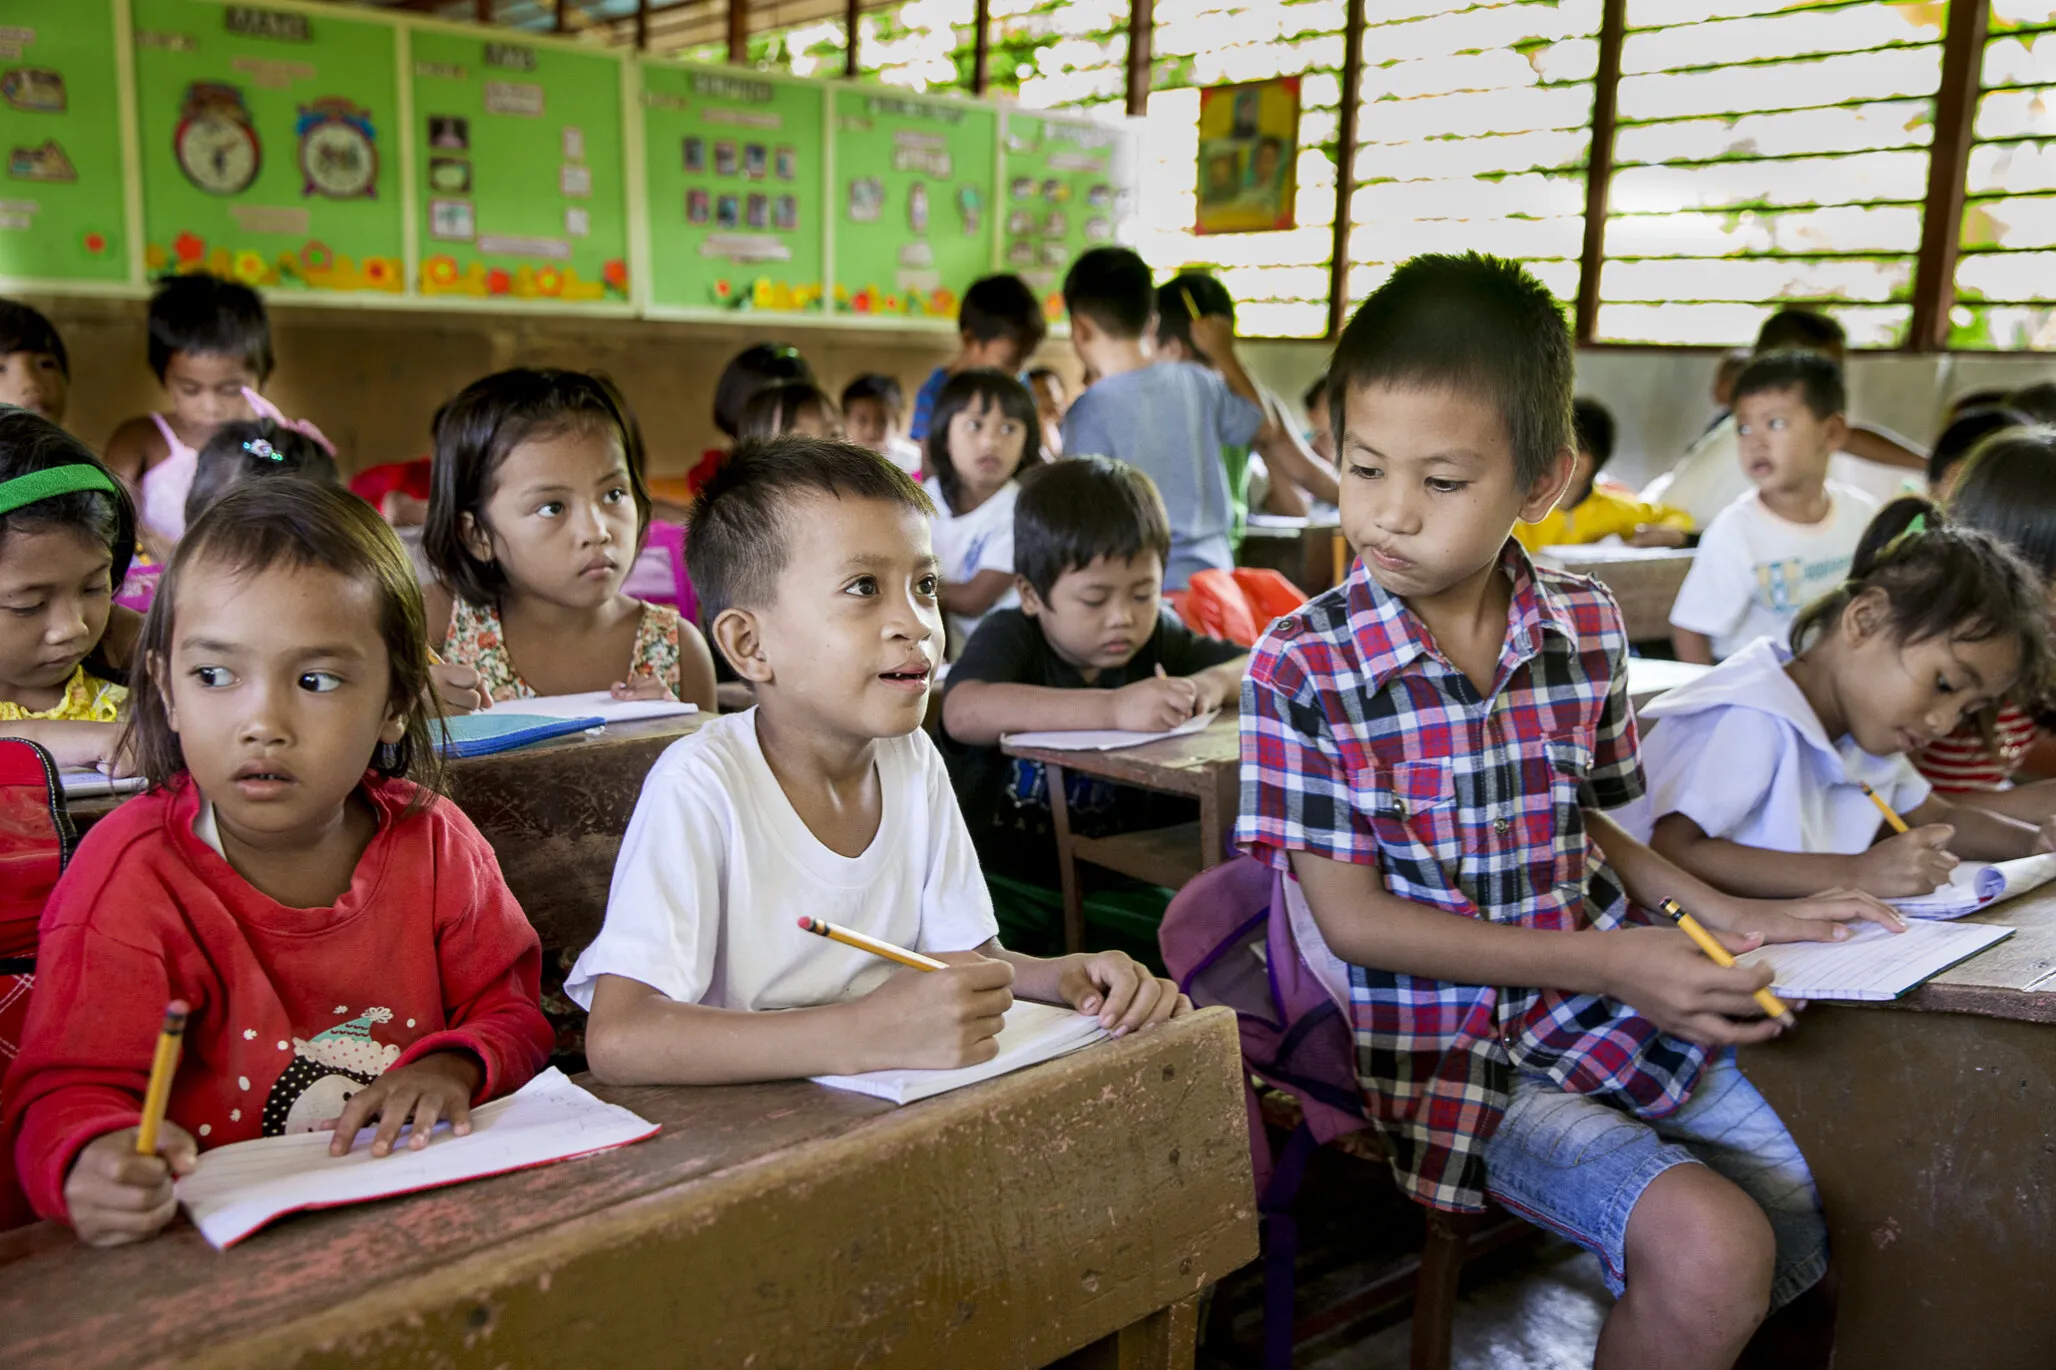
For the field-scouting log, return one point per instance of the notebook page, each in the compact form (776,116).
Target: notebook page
(1975,885)
(1033,1033)
(596,704)
(1874,964)
(90,784)
(238,1188)
(1105,739)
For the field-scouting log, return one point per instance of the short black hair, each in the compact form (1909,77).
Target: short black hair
(1815,375)
(1314,393)
(205,314)
(1969,428)
(1478,324)
(30,443)
(1111,286)
(749,371)
(476,430)
(1593,430)
(1805,328)
(2009,490)
(1003,306)
(24,328)
(982,387)
(2037,401)
(873,386)
(1073,512)
(1174,319)
(773,409)
(735,545)
(256,447)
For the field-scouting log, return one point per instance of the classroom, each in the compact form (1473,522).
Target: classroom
(1000,684)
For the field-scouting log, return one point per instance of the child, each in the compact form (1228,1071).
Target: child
(1590,512)
(1320,421)
(1933,625)
(67,534)
(1092,646)
(209,342)
(789,407)
(749,371)
(1052,400)
(999,325)
(1790,540)
(35,371)
(825,800)
(1964,433)
(343,935)
(982,438)
(1173,421)
(539,511)
(1427,749)
(259,447)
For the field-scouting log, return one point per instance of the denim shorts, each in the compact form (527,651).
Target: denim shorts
(1578,1167)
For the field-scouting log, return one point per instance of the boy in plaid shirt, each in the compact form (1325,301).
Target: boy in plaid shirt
(1428,748)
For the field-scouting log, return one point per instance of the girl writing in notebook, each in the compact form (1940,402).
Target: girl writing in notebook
(343,935)
(1758,771)
(537,515)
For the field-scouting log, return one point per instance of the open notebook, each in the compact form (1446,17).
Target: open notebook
(1974,885)
(1874,964)
(1105,739)
(238,1188)
(1034,1033)
(596,704)
(90,784)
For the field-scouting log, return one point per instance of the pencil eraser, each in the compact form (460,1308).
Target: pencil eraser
(178,1006)
(807,923)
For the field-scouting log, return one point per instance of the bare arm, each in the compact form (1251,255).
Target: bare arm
(976,595)
(1883,446)
(979,712)
(1982,834)
(135,447)
(2034,802)
(72,743)
(1753,872)
(1288,458)
(1691,646)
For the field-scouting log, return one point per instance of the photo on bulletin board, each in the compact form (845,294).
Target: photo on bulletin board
(61,190)
(1248,149)
(914,177)
(1061,177)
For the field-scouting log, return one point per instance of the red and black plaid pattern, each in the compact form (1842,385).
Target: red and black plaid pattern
(1362,743)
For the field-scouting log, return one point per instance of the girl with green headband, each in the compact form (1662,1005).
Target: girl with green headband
(67,533)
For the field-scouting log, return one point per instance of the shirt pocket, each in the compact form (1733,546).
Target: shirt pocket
(1411,807)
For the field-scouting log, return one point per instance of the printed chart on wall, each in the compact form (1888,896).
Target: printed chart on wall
(735,181)
(268,146)
(519,156)
(913,184)
(60,128)
(1063,189)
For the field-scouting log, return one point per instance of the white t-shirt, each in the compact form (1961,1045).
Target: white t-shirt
(717,868)
(1742,754)
(1709,477)
(1755,571)
(982,540)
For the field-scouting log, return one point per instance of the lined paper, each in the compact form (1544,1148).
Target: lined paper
(598,704)
(1874,964)
(1975,885)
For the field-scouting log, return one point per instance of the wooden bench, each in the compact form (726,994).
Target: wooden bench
(1644,580)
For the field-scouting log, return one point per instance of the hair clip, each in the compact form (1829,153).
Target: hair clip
(258,447)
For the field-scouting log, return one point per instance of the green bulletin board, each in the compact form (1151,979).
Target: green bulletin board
(520,170)
(735,176)
(269,145)
(1060,192)
(60,130)
(912,201)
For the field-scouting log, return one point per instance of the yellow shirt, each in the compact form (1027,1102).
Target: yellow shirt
(1606,512)
(87,699)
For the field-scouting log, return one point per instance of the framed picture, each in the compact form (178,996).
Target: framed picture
(1248,148)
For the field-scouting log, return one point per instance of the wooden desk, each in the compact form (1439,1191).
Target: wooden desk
(1645,580)
(1931,1128)
(1204,766)
(1083,1203)
(1301,550)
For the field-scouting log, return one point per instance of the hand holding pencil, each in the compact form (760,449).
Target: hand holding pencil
(120,1187)
(939,1013)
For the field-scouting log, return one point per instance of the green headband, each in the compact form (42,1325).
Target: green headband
(50,483)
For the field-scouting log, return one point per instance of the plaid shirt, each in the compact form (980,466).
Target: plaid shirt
(1362,743)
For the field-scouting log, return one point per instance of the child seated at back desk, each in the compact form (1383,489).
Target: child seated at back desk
(1428,749)
(999,324)
(35,370)
(825,800)
(1092,646)
(1591,511)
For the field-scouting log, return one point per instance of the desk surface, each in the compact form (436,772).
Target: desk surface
(1179,765)
(779,1225)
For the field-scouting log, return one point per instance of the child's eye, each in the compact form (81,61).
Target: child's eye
(862,585)
(319,682)
(616,495)
(1778,425)
(1446,487)
(551,509)
(1942,685)
(25,610)
(928,586)
(213,677)
(1364,472)
(1095,602)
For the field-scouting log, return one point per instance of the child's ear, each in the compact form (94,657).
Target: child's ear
(396,722)
(736,633)
(1031,603)
(1865,616)
(1835,432)
(1548,487)
(1084,333)
(477,540)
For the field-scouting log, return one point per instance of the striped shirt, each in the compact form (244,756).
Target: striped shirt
(1963,762)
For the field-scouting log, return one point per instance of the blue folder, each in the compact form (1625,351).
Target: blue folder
(494,731)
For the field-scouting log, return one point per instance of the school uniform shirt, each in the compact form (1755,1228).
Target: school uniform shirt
(1362,743)
(965,544)
(1741,753)
(1005,799)
(293,1010)
(1608,512)
(1709,477)
(717,868)
(1965,763)
(1755,571)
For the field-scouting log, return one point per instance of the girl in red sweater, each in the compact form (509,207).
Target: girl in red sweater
(344,937)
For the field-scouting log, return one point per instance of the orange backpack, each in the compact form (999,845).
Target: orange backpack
(1236,606)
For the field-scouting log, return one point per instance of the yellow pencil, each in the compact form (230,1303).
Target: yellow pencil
(1898,823)
(162,1068)
(1773,1007)
(1191,309)
(823,928)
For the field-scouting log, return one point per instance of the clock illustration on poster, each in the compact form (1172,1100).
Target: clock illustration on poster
(338,150)
(216,141)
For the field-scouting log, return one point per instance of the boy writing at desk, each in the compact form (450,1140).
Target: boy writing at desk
(827,800)
(1427,748)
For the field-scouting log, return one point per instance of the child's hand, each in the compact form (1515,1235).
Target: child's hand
(1662,976)
(1656,535)
(1121,991)
(2045,836)
(459,688)
(116,1196)
(938,1019)
(1156,705)
(1213,336)
(1908,863)
(1823,917)
(1208,693)
(437,1086)
(643,685)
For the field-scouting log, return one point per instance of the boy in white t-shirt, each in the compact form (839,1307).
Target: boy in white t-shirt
(1789,540)
(826,800)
